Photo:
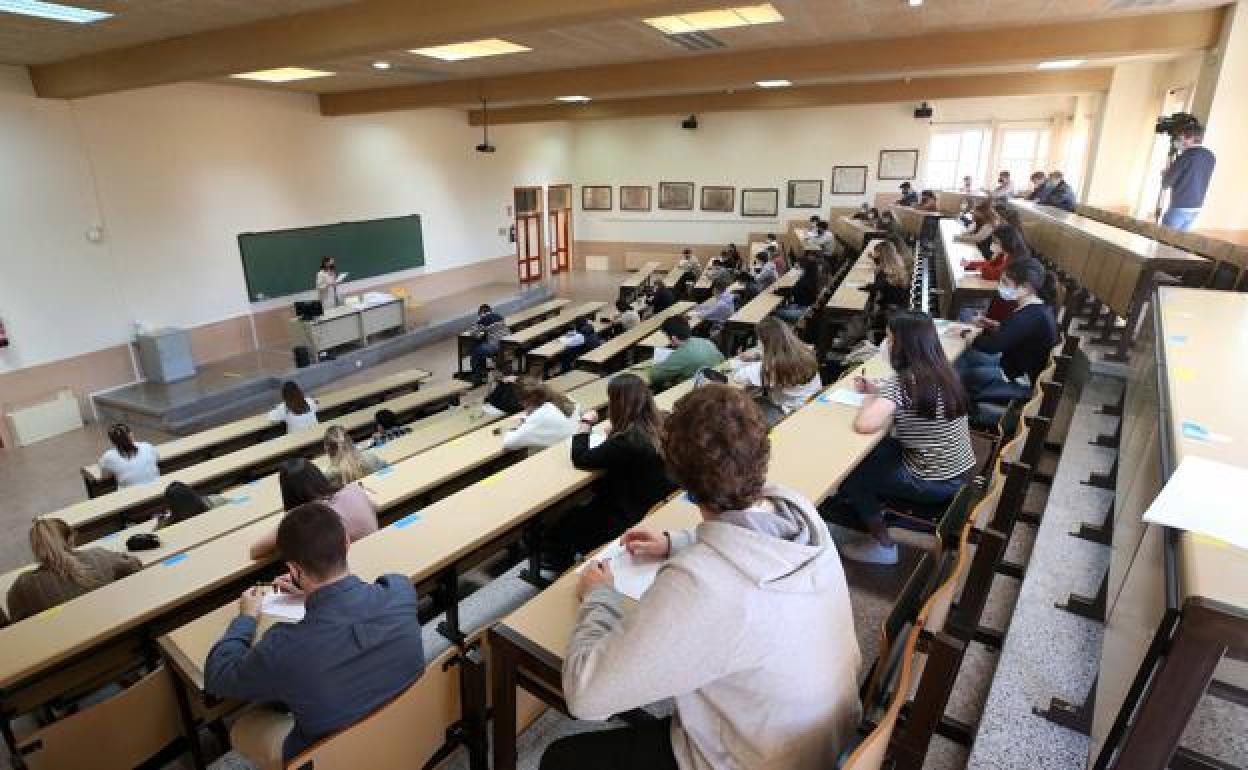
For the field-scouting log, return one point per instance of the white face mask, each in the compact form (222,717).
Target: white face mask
(1007,293)
(886,350)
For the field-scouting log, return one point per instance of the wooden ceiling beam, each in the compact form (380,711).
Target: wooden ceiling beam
(363,27)
(1151,33)
(865,92)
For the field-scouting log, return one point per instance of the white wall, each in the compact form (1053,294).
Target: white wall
(760,149)
(174,174)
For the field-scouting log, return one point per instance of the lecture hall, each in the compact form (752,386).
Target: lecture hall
(623,385)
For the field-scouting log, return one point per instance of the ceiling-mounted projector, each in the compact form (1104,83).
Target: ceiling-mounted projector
(922,112)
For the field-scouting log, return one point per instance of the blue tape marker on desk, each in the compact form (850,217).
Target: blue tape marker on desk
(175,559)
(406,521)
(386,471)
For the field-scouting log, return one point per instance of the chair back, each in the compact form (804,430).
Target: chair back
(872,751)
(900,619)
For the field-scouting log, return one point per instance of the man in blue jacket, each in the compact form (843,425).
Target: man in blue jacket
(1058,193)
(1187,179)
(357,647)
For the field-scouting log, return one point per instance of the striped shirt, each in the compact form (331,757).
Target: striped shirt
(934,449)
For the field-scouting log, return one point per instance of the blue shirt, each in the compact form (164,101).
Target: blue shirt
(1060,196)
(1188,178)
(357,647)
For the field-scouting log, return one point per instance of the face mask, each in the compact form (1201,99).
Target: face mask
(1007,293)
(996,249)
(886,350)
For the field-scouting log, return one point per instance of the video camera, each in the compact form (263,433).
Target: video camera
(1176,124)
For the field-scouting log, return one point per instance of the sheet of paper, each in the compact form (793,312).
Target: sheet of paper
(284,608)
(632,577)
(750,372)
(843,396)
(1204,497)
(661,354)
(596,437)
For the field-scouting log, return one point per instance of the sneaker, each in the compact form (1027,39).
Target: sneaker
(870,552)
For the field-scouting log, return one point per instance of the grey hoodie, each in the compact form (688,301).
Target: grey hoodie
(748,627)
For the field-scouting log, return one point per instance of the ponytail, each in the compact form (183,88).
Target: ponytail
(49,542)
(120,435)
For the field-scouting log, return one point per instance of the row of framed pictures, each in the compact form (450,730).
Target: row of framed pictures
(755,201)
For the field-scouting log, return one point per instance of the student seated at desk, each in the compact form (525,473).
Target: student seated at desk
(805,291)
(690,263)
(1057,192)
(891,287)
(63,573)
(783,369)
(302,482)
(819,240)
(129,462)
(928,457)
(633,478)
(296,410)
(347,463)
(865,214)
(722,304)
(488,331)
(1006,245)
(182,503)
(1037,191)
(1005,360)
(928,202)
(663,297)
(689,354)
(747,627)
(549,417)
(388,428)
(357,647)
(765,273)
(1004,189)
(626,316)
(983,222)
(908,196)
(579,341)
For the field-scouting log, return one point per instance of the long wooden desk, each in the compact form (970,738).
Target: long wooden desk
(957,285)
(104,514)
(516,344)
(854,233)
(205,444)
(611,354)
(465,342)
(528,646)
(740,327)
(1188,589)
(674,277)
(538,360)
(1117,267)
(635,282)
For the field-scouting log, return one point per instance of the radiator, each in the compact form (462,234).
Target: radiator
(45,419)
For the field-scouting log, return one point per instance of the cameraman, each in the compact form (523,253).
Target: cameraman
(1187,179)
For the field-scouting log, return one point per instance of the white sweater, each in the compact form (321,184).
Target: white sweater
(128,471)
(543,427)
(294,422)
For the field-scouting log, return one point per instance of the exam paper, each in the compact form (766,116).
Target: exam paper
(843,396)
(661,354)
(284,608)
(1206,497)
(633,577)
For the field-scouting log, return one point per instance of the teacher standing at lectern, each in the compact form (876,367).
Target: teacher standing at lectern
(327,281)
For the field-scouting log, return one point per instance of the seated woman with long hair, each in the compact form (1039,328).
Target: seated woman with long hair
(928,457)
(786,373)
(633,478)
(347,462)
(549,417)
(302,482)
(63,573)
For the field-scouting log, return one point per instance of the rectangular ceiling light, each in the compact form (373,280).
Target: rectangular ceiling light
(1059,64)
(282,75)
(472,50)
(53,11)
(773,83)
(742,16)
(573,99)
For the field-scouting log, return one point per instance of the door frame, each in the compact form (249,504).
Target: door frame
(524,270)
(560,258)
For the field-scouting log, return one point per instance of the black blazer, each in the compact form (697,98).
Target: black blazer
(634,479)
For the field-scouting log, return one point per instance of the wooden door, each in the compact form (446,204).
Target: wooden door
(559,214)
(528,225)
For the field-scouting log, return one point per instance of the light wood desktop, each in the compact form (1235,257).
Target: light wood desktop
(347,325)
(959,286)
(632,286)
(517,344)
(603,358)
(465,342)
(204,444)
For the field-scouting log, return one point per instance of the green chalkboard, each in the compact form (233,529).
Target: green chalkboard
(284,262)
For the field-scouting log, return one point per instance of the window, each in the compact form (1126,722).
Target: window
(953,154)
(1022,152)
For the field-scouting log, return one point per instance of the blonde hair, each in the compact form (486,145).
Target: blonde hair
(50,542)
(891,264)
(344,457)
(787,362)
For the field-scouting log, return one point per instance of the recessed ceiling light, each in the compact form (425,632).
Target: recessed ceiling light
(53,11)
(915,3)
(573,99)
(773,83)
(381,65)
(741,16)
(283,75)
(1059,64)
(471,50)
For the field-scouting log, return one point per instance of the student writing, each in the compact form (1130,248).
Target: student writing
(62,573)
(347,463)
(549,417)
(302,482)
(689,354)
(784,370)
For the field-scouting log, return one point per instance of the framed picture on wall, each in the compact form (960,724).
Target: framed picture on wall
(805,193)
(635,197)
(849,180)
(676,195)
(719,199)
(760,202)
(596,198)
(898,164)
